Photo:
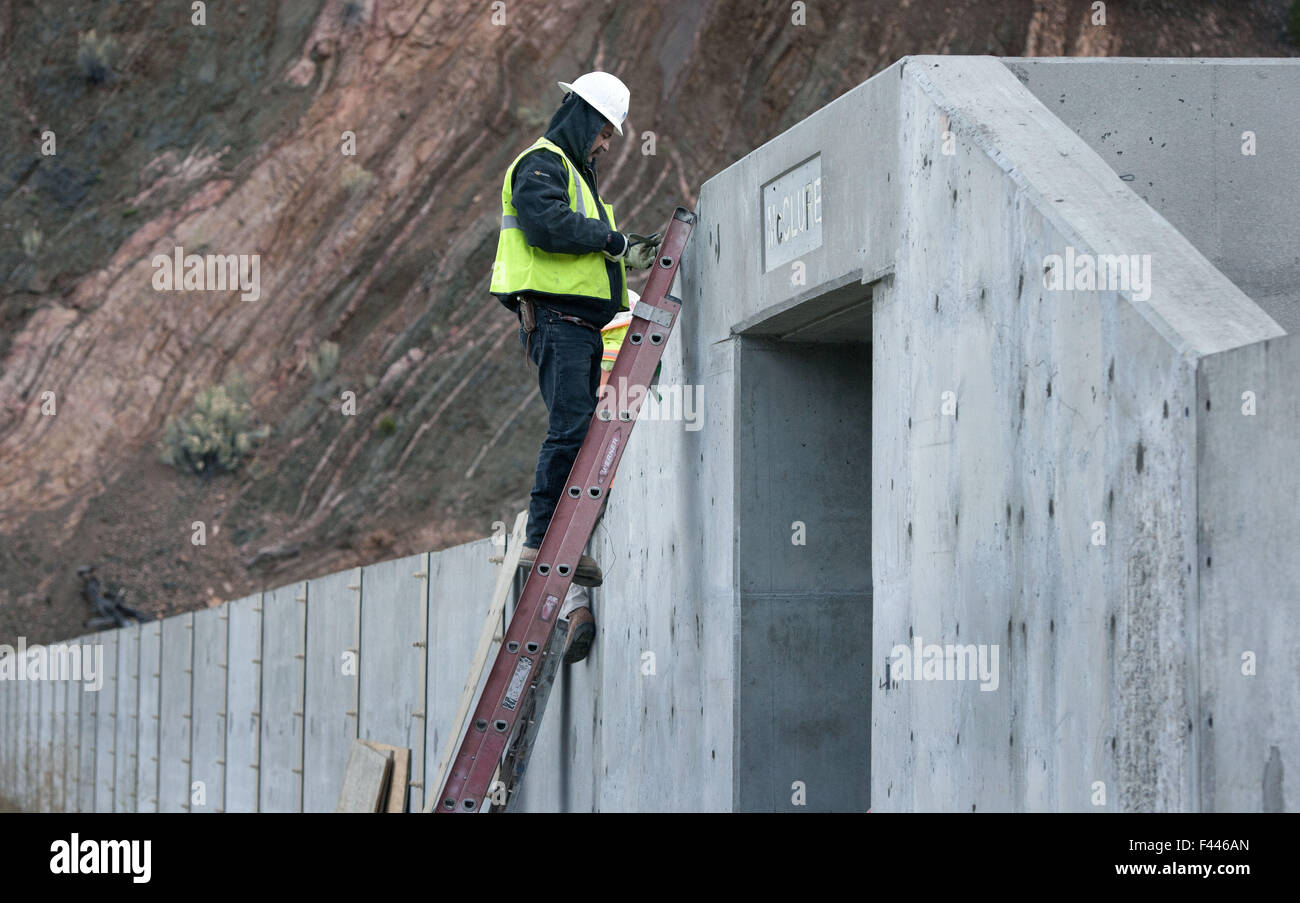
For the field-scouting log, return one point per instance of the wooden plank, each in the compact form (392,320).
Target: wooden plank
(488,640)
(365,781)
(399,781)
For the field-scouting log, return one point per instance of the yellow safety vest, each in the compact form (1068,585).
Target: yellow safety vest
(611,337)
(521,267)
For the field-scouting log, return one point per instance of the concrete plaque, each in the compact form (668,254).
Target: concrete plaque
(792,214)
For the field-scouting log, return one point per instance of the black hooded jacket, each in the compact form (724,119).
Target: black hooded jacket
(540,194)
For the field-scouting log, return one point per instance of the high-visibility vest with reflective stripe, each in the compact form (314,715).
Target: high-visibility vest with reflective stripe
(611,337)
(521,267)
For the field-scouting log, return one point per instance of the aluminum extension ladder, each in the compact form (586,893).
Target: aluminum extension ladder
(510,708)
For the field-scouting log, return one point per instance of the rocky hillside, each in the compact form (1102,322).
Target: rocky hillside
(230,136)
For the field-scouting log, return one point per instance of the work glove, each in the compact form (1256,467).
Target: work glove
(642,250)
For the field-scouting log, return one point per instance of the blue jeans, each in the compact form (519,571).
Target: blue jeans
(568,373)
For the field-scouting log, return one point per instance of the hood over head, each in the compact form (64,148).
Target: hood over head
(574,127)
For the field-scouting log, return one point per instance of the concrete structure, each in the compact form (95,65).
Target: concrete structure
(943,525)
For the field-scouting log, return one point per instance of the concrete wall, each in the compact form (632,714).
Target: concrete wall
(1247,411)
(105,728)
(175,724)
(461,581)
(150,671)
(1078,408)
(1212,145)
(208,711)
(1068,411)
(243,703)
(280,743)
(205,711)
(900,435)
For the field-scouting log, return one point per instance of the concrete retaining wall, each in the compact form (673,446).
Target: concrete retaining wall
(204,711)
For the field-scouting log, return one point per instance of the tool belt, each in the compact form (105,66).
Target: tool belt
(528,320)
(578,320)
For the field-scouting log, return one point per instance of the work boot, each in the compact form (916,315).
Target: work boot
(587,574)
(582,630)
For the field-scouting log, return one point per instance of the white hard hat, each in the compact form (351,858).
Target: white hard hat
(604,92)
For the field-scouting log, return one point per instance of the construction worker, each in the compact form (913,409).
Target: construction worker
(561,268)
